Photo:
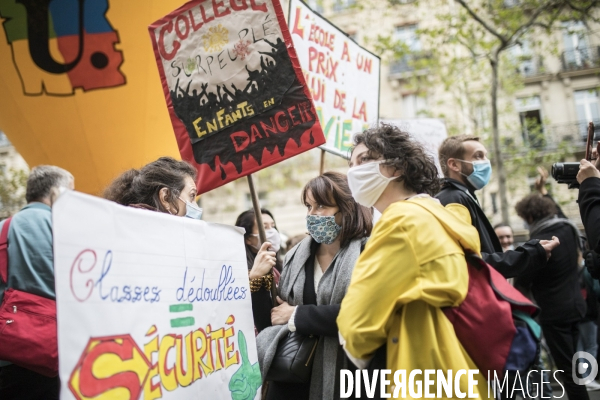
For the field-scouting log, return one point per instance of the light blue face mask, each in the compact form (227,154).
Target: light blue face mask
(192,210)
(323,228)
(482,172)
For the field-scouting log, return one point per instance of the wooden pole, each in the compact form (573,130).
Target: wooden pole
(322,168)
(590,142)
(262,236)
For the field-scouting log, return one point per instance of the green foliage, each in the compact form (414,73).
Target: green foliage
(12,191)
(468,36)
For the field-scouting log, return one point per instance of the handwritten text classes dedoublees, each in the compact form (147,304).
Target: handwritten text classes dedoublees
(225,290)
(116,293)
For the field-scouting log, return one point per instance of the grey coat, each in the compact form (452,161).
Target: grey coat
(332,288)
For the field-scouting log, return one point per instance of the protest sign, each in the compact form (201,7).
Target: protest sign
(342,76)
(235,93)
(431,132)
(150,306)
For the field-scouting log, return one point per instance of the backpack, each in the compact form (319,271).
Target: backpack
(28,333)
(494,323)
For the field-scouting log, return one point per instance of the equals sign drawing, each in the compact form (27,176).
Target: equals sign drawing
(184,321)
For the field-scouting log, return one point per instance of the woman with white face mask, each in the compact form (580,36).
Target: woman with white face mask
(412,266)
(316,274)
(165,185)
(261,260)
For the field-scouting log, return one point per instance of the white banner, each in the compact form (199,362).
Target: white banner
(431,132)
(342,76)
(150,306)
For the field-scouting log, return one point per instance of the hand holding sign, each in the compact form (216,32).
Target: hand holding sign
(247,379)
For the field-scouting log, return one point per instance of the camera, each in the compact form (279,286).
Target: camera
(566,172)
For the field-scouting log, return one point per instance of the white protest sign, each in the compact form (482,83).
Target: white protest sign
(150,306)
(342,76)
(430,132)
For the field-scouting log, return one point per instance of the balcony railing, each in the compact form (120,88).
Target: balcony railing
(579,59)
(341,5)
(409,63)
(570,136)
(531,67)
(572,133)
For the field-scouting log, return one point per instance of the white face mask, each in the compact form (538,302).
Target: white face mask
(367,183)
(273,237)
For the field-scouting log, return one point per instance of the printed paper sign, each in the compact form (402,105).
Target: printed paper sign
(235,92)
(342,76)
(150,306)
(431,132)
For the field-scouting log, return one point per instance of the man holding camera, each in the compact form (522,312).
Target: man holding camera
(589,206)
(466,168)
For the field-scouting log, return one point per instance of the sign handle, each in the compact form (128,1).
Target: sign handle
(262,236)
(590,142)
(322,168)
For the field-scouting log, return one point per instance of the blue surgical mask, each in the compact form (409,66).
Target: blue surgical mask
(323,229)
(482,172)
(192,210)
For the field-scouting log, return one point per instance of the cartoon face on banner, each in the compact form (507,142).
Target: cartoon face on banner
(237,99)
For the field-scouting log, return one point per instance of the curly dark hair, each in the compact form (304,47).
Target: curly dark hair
(405,154)
(535,207)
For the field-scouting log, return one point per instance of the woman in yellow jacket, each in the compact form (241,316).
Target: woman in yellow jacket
(412,266)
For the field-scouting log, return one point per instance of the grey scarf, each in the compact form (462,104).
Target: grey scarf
(331,290)
(547,222)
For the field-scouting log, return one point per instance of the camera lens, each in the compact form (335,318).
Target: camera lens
(558,169)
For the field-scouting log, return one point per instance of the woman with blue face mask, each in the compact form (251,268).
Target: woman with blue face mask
(316,273)
(166,185)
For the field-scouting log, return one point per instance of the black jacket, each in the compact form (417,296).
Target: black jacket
(313,319)
(589,207)
(556,287)
(510,263)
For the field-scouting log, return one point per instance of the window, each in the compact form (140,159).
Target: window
(340,5)
(407,34)
(413,105)
(586,104)
(527,63)
(577,47)
(530,114)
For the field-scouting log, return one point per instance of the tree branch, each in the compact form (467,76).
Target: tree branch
(523,28)
(484,24)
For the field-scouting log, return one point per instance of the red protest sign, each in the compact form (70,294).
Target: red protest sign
(235,92)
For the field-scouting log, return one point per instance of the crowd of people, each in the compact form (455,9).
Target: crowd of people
(370,294)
